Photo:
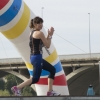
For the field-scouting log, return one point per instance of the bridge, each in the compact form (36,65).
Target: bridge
(78,68)
(66,60)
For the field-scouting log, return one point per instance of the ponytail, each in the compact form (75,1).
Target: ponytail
(31,24)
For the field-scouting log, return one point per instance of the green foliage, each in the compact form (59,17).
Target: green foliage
(13,78)
(28,91)
(13,81)
(4,93)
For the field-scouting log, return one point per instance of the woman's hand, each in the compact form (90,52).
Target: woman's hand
(50,31)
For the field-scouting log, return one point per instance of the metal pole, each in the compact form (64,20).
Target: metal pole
(89,37)
(42,12)
(99,77)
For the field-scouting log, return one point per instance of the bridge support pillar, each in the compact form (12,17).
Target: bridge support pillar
(24,72)
(67,70)
(73,68)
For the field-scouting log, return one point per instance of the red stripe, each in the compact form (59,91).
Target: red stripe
(59,80)
(3,3)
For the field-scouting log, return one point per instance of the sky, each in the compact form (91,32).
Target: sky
(70,20)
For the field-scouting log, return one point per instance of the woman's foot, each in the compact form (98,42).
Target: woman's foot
(16,91)
(53,93)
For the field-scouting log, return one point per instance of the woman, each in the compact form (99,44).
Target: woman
(37,41)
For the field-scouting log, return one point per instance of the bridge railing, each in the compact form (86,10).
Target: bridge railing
(11,60)
(73,57)
(94,56)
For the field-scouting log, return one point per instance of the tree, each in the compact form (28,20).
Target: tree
(11,81)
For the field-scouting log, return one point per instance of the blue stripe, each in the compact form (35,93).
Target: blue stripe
(10,13)
(58,68)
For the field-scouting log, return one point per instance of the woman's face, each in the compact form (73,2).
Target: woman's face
(38,26)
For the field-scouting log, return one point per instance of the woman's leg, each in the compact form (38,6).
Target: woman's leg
(36,73)
(25,83)
(50,84)
(36,62)
(47,66)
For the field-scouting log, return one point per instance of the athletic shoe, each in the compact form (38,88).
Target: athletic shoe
(53,93)
(16,91)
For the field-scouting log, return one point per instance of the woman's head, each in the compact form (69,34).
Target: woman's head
(36,23)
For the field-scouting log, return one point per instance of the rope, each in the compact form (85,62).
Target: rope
(68,42)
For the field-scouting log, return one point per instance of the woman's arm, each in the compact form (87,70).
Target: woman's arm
(40,35)
(47,41)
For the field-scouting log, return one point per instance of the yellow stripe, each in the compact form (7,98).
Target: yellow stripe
(52,57)
(29,66)
(20,26)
